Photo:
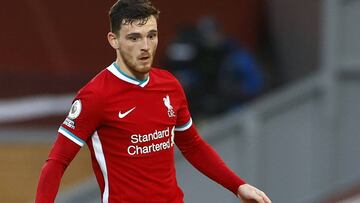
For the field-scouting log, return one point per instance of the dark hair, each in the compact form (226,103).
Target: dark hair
(125,12)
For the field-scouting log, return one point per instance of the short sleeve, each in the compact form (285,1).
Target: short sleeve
(84,117)
(184,120)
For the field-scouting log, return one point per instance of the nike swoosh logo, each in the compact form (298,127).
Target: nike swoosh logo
(122,115)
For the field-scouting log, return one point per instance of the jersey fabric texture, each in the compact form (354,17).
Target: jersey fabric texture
(131,128)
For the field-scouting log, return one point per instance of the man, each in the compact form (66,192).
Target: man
(130,116)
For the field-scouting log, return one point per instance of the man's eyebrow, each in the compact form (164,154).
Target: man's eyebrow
(133,34)
(137,34)
(153,31)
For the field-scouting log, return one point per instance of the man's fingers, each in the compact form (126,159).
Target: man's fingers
(256,196)
(253,198)
(259,199)
(264,197)
(267,199)
(251,194)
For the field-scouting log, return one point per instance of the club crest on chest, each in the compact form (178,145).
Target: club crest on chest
(171,112)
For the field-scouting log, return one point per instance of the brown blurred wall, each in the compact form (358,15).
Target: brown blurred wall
(56,46)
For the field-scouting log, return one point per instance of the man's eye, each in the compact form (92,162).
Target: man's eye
(152,36)
(134,39)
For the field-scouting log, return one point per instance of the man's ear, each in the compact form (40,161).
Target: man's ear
(112,38)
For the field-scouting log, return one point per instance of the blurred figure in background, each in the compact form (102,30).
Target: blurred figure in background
(215,71)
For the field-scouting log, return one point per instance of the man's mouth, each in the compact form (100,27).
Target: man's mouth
(144,58)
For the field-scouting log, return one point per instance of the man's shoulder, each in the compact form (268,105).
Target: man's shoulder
(165,77)
(162,74)
(97,83)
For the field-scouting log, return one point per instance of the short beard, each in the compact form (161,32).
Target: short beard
(131,67)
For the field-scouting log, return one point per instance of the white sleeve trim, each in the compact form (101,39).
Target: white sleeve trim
(71,136)
(185,126)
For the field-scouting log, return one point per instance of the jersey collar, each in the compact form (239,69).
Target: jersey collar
(115,69)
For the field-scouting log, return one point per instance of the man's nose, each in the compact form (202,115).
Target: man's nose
(145,45)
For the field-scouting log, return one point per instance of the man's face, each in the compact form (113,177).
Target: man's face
(137,45)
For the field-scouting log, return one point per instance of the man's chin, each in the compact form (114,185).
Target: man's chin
(144,68)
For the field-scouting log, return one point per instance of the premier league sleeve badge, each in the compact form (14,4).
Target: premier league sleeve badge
(75,110)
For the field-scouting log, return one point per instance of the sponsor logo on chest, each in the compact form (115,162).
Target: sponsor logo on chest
(144,143)
(155,141)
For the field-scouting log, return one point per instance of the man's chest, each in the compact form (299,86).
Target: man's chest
(141,122)
(142,110)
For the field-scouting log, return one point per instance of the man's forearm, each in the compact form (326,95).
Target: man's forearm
(62,153)
(207,161)
(49,181)
(203,157)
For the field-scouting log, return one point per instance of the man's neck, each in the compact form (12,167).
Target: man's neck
(128,72)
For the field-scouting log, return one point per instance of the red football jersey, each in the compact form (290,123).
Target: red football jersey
(129,126)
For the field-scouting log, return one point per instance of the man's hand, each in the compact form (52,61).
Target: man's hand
(250,194)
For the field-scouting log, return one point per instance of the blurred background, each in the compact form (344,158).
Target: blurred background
(273,86)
